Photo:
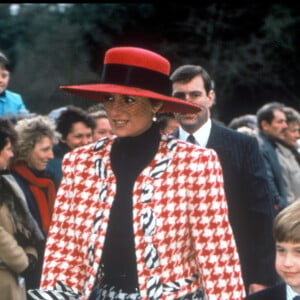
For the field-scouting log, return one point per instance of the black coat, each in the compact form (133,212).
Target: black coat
(250,203)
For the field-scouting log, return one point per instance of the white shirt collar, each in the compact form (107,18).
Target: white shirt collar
(201,135)
(290,293)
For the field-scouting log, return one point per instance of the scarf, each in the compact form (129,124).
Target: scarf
(36,186)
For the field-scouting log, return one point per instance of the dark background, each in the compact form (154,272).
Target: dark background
(250,50)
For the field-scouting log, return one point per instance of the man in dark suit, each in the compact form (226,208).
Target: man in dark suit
(250,203)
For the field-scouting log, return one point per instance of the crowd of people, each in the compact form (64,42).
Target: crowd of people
(144,195)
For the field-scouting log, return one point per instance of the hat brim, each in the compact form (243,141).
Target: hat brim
(96,91)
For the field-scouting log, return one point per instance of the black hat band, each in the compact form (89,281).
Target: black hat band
(136,77)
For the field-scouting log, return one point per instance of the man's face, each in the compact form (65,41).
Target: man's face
(277,127)
(193,92)
(4,79)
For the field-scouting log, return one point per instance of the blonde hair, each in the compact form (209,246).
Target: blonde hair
(287,224)
(31,131)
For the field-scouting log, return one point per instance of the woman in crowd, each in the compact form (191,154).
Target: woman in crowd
(102,124)
(288,156)
(18,232)
(140,215)
(75,127)
(33,150)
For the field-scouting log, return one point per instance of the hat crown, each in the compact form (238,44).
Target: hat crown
(139,57)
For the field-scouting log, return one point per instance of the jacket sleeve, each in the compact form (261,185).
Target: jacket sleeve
(214,242)
(11,253)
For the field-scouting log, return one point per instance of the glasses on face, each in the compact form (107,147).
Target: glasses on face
(191,95)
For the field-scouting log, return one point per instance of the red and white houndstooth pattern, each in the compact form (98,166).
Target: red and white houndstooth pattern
(179,212)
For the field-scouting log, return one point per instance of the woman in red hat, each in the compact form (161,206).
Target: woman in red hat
(140,215)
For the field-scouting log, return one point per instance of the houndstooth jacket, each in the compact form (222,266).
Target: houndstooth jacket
(182,237)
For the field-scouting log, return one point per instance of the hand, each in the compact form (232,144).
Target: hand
(255,287)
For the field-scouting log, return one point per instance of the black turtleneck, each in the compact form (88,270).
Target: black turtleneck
(129,156)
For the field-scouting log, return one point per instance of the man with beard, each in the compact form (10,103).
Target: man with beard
(247,189)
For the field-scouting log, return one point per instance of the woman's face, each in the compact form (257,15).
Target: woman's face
(41,154)
(80,135)
(130,115)
(103,129)
(5,155)
(292,133)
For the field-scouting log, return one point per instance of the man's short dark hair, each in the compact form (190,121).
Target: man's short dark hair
(266,112)
(186,73)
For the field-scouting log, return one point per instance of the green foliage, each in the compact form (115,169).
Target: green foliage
(250,50)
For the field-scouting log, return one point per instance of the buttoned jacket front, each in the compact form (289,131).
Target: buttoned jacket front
(182,236)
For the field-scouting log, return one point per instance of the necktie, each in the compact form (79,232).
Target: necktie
(191,139)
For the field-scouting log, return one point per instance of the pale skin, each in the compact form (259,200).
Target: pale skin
(79,135)
(130,116)
(277,127)
(292,133)
(4,79)
(103,129)
(5,155)
(287,263)
(194,92)
(171,126)
(41,154)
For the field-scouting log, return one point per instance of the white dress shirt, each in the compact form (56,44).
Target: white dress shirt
(290,293)
(201,135)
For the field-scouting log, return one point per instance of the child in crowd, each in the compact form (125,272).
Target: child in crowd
(287,263)
(11,104)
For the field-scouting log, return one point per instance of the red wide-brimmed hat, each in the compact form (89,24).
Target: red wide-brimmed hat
(136,72)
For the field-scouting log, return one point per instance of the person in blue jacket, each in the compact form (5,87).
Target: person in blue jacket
(11,103)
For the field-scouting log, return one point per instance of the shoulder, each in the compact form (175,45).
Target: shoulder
(187,153)
(85,153)
(13,96)
(229,142)
(222,131)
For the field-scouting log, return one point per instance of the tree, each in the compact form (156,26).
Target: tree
(250,50)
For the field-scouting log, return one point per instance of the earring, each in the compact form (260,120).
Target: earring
(154,119)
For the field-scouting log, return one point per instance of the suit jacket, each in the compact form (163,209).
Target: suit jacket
(181,229)
(277,292)
(250,205)
(268,149)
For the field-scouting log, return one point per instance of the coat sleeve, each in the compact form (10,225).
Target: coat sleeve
(214,242)
(63,260)
(11,253)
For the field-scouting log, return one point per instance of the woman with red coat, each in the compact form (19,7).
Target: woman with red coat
(139,215)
